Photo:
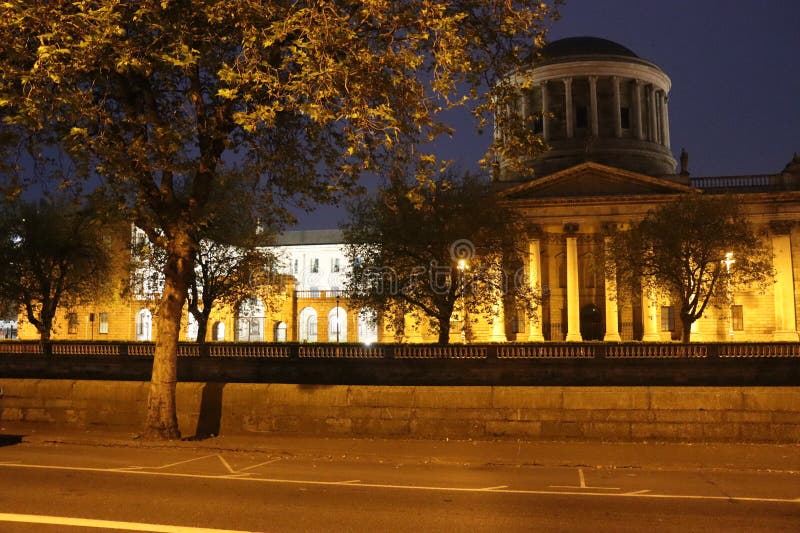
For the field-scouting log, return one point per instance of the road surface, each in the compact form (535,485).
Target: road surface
(65,487)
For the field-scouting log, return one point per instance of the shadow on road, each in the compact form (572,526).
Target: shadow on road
(208,421)
(10,440)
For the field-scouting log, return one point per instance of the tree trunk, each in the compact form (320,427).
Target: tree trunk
(686,329)
(44,339)
(162,420)
(202,327)
(444,330)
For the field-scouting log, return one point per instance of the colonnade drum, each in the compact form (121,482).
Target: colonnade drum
(591,99)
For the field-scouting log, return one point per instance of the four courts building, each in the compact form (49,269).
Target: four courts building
(604,113)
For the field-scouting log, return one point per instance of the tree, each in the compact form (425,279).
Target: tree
(450,245)
(159,98)
(53,254)
(679,251)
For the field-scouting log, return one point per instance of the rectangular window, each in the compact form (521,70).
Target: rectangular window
(737,318)
(103,323)
(296,267)
(581,116)
(625,118)
(315,265)
(335,266)
(667,318)
(72,323)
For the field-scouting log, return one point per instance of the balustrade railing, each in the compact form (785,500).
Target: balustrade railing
(535,351)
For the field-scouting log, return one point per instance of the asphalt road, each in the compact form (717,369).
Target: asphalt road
(64,487)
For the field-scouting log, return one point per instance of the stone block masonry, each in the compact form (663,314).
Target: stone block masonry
(637,413)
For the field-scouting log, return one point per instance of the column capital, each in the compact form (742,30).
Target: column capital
(781,227)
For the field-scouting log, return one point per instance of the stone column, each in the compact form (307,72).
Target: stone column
(637,109)
(617,108)
(498,319)
(568,111)
(651,102)
(573,294)
(649,316)
(785,317)
(535,281)
(612,309)
(665,111)
(660,116)
(545,107)
(593,104)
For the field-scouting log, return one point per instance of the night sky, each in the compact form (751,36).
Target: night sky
(735,71)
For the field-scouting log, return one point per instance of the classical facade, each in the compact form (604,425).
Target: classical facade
(604,113)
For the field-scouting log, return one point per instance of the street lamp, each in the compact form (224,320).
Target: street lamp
(728,261)
(462,266)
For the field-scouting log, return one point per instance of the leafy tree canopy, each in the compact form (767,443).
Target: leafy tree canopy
(160,98)
(679,251)
(451,245)
(53,254)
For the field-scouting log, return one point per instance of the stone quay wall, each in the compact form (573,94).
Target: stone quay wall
(631,413)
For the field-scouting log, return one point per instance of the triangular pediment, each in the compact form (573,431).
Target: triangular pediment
(593,180)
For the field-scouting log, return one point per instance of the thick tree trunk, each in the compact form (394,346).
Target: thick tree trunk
(202,328)
(686,329)
(162,420)
(44,338)
(444,330)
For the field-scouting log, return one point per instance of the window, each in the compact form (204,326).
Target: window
(280,332)
(72,323)
(667,318)
(737,318)
(335,265)
(296,266)
(625,118)
(103,323)
(581,116)
(315,265)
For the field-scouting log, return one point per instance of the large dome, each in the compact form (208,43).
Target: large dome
(583,46)
(591,99)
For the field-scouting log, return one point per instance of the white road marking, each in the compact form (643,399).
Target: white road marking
(350,482)
(637,492)
(226,465)
(174,464)
(105,524)
(410,487)
(495,488)
(582,485)
(259,464)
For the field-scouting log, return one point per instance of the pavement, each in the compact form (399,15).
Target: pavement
(508,453)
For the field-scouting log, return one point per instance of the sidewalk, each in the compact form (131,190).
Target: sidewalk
(659,456)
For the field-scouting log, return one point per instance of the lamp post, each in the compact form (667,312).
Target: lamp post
(728,261)
(462,266)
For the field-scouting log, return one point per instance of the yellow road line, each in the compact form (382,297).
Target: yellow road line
(105,524)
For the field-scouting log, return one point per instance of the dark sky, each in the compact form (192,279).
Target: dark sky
(735,70)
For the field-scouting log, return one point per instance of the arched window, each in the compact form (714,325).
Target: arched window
(144,325)
(191,328)
(367,326)
(307,325)
(249,321)
(337,325)
(280,332)
(218,331)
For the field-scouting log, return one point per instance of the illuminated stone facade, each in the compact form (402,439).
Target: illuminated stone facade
(604,113)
